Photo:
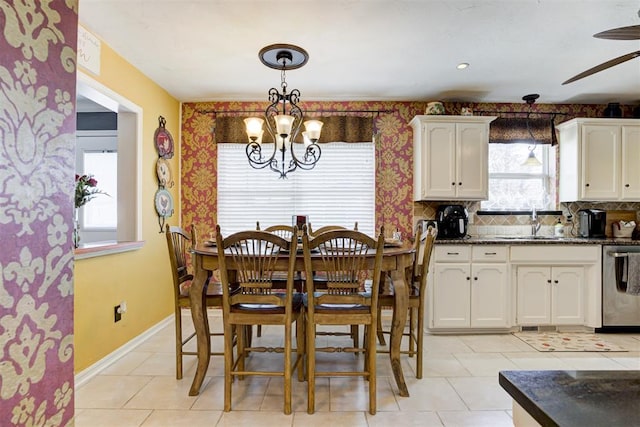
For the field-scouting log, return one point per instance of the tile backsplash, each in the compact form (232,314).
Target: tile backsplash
(486,225)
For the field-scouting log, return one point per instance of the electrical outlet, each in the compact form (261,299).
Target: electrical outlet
(117,313)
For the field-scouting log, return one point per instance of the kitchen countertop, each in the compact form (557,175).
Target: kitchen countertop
(538,240)
(576,398)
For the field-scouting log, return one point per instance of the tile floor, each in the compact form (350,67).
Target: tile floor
(460,386)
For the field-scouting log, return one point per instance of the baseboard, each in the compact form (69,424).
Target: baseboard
(93,370)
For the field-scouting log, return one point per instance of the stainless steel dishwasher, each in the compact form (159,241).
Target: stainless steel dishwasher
(620,309)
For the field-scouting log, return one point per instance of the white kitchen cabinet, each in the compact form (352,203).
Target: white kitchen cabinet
(550,295)
(598,160)
(470,287)
(557,284)
(630,185)
(450,157)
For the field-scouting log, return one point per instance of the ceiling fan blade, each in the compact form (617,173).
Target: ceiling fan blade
(622,33)
(604,66)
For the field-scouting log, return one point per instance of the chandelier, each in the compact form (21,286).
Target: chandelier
(283,125)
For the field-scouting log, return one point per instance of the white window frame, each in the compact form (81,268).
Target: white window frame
(546,176)
(247,195)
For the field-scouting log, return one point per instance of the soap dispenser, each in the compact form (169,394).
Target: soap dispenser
(558,229)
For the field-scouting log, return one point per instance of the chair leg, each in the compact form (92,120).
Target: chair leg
(228,364)
(241,330)
(287,369)
(300,346)
(178,324)
(355,335)
(419,341)
(259,331)
(311,368)
(371,368)
(381,339)
(412,328)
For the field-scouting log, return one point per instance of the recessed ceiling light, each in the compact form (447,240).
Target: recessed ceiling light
(462,65)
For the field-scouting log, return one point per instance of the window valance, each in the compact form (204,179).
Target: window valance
(336,128)
(509,130)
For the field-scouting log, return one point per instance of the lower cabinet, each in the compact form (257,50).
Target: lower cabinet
(470,287)
(550,295)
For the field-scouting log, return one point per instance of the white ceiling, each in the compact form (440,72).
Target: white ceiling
(376,50)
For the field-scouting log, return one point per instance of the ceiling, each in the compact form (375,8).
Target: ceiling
(207,50)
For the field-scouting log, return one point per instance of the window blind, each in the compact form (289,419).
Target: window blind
(340,190)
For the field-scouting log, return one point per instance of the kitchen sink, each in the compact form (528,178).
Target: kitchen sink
(528,237)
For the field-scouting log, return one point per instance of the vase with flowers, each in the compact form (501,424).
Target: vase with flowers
(86,190)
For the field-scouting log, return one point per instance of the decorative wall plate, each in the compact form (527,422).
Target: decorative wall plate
(163,140)
(163,169)
(164,203)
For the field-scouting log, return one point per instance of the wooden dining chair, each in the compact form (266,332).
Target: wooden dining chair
(349,258)
(424,242)
(313,233)
(285,231)
(178,242)
(248,261)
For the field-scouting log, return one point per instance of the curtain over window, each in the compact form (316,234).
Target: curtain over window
(509,130)
(335,128)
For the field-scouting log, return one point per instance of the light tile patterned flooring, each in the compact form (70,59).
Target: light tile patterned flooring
(460,386)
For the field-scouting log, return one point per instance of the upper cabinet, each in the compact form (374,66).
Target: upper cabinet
(450,157)
(599,160)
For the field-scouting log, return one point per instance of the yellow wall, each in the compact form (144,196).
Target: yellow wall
(142,278)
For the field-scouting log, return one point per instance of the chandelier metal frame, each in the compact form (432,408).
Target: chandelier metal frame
(284,57)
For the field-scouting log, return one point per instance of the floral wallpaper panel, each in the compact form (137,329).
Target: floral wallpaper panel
(37,143)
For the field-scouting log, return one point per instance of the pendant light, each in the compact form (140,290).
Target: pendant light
(531,159)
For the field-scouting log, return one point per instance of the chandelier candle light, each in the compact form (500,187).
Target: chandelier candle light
(283,125)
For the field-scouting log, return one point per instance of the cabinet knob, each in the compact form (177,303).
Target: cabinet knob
(555,281)
(549,281)
(459,183)
(586,185)
(453,183)
(468,278)
(475,278)
(626,185)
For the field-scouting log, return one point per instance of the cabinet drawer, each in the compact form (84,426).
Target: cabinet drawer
(555,254)
(453,253)
(489,253)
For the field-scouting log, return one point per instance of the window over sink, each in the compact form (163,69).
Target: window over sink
(514,187)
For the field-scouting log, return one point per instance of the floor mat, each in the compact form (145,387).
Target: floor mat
(564,341)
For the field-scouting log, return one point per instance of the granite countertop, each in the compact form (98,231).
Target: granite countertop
(538,240)
(576,398)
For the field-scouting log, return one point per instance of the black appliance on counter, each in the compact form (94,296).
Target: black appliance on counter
(452,221)
(592,222)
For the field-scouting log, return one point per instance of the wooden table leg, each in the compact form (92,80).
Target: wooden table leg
(401,305)
(197,295)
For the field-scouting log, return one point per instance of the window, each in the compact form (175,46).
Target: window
(516,187)
(102,212)
(339,190)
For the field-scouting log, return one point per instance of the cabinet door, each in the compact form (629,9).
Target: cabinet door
(600,162)
(630,185)
(451,295)
(489,295)
(533,305)
(472,153)
(439,164)
(566,295)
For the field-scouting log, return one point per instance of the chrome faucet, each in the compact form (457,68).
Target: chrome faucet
(535,225)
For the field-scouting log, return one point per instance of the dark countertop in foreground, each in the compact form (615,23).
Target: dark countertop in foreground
(577,398)
(538,240)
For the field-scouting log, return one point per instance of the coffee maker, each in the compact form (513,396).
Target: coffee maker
(452,221)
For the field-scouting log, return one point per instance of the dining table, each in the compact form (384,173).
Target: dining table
(396,263)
